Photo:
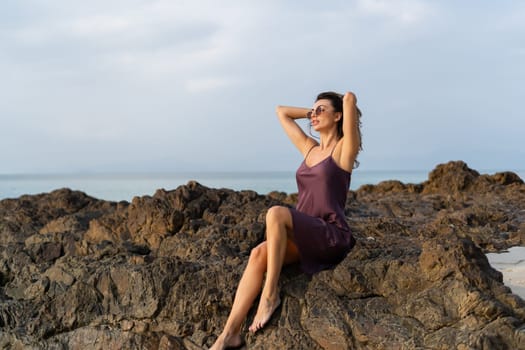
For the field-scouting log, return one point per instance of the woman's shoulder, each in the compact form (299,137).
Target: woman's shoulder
(309,145)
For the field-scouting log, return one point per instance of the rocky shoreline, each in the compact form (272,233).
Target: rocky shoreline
(160,272)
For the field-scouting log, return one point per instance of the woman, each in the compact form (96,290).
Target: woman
(315,233)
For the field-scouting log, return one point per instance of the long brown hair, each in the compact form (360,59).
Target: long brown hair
(337,103)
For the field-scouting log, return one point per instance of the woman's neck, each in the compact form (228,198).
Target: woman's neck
(328,140)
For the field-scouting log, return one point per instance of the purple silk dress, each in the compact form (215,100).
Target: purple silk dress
(321,232)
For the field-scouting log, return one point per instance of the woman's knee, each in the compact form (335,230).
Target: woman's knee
(278,214)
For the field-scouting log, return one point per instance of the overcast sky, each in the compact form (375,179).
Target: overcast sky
(136,85)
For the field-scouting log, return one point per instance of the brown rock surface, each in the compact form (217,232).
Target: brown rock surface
(160,272)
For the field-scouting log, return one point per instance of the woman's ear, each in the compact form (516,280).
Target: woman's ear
(338,116)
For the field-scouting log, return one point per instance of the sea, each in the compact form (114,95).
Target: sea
(125,186)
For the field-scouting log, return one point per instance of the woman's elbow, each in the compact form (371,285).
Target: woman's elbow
(279,110)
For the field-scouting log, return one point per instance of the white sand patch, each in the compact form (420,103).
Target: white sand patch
(512,264)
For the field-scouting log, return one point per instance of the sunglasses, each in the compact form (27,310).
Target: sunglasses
(320,109)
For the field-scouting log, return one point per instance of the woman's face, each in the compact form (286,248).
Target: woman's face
(323,116)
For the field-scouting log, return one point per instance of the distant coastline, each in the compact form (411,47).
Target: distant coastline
(125,186)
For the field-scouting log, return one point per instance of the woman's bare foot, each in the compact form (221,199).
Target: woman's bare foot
(264,312)
(227,341)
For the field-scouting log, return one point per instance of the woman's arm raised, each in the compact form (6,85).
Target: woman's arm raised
(351,139)
(287,117)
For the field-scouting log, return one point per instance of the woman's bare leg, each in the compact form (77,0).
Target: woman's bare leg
(248,289)
(278,230)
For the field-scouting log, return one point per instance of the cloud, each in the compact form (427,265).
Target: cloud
(146,37)
(199,85)
(404,11)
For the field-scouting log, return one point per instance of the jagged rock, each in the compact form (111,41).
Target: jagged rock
(161,272)
(452,177)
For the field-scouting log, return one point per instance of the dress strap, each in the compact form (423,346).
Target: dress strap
(307,153)
(333,149)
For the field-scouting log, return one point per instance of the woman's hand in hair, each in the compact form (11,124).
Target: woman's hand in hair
(350,97)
